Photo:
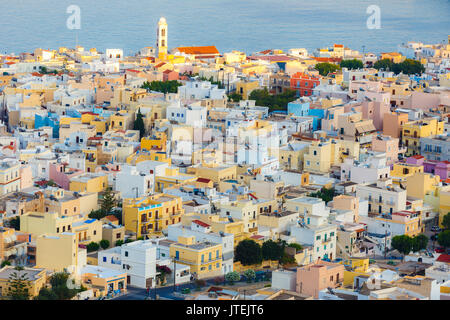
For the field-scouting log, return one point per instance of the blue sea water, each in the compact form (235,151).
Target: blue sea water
(247,25)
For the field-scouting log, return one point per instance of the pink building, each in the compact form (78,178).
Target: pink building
(169,75)
(345,202)
(439,168)
(387,144)
(26,177)
(318,276)
(371,110)
(61,174)
(392,123)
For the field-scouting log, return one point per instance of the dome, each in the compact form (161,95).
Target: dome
(162,20)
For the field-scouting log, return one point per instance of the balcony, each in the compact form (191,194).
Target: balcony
(251,230)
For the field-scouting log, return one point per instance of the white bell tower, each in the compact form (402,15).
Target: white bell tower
(161,37)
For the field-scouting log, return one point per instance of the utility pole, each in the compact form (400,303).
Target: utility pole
(174,274)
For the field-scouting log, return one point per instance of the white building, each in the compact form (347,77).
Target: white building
(201,90)
(132,183)
(137,259)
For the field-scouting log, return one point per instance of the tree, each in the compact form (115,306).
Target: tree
(59,288)
(409,66)
(385,64)
(351,64)
(235,97)
(14,223)
(119,243)
(104,244)
(325,194)
(402,243)
(297,246)
(446,221)
(46,294)
(250,275)
(444,238)
(139,123)
(5,263)
(18,282)
(108,201)
(248,252)
(93,246)
(162,86)
(325,68)
(272,250)
(232,277)
(419,242)
(97,214)
(280,101)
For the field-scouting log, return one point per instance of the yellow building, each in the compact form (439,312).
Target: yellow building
(89,182)
(216,173)
(172,179)
(35,280)
(150,215)
(393,56)
(414,130)
(9,176)
(57,252)
(420,184)
(38,223)
(204,258)
(401,171)
(244,88)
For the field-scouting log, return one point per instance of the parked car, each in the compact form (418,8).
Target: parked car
(436,229)
(440,250)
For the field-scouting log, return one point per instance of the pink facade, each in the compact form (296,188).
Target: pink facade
(170,75)
(61,174)
(26,177)
(388,145)
(392,123)
(318,276)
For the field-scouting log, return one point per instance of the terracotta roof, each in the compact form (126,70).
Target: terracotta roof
(201,223)
(111,218)
(444,258)
(168,71)
(199,50)
(417,156)
(159,65)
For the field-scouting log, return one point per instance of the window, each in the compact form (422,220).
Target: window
(126,253)
(104,259)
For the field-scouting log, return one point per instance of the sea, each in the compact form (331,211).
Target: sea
(246,25)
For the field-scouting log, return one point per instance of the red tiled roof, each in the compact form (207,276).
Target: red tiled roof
(168,71)
(201,223)
(444,258)
(199,50)
(111,218)
(417,156)
(203,180)
(132,70)
(324,59)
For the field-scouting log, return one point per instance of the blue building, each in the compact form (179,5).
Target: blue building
(299,108)
(50,120)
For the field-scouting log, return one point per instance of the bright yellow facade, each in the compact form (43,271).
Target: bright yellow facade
(150,215)
(204,259)
(414,130)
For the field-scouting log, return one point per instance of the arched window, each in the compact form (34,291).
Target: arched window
(163,32)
